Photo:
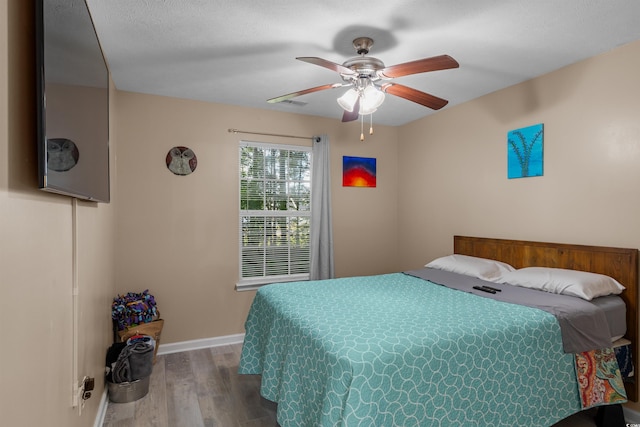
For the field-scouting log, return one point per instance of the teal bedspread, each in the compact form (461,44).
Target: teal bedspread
(395,350)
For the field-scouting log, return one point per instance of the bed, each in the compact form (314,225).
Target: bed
(397,350)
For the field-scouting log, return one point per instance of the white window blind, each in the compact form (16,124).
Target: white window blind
(275,213)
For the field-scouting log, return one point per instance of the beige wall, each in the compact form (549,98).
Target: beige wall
(36,262)
(452,165)
(177,235)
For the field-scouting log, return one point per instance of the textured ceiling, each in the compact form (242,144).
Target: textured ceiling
(243,52)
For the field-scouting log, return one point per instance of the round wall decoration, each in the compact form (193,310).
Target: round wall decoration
(181,160)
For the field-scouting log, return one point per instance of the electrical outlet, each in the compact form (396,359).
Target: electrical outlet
(81,393)
(89,384)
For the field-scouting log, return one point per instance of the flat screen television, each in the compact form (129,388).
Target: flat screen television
(72,102)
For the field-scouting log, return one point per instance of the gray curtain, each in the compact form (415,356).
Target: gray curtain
(321,228)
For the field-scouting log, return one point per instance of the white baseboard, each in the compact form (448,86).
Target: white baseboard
(102,409)
(177,347)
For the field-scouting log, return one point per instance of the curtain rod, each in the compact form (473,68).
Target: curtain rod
(313,138)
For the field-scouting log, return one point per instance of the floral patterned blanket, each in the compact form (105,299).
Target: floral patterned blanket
(599,379)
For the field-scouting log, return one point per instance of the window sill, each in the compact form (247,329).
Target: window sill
(254,284)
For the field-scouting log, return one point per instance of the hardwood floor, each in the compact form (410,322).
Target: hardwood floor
(202,388)
(197,388)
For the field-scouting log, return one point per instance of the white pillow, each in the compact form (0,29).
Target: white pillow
(482,268)
(576,283)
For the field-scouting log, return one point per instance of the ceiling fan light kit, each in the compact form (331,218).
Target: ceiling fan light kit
(348,100)
(371,99)
(362,75)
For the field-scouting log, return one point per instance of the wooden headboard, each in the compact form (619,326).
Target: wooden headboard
(619,263)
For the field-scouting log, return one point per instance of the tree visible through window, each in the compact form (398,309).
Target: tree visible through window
(275,212)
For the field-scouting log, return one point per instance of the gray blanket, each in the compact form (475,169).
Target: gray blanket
(583,325)
(135,362)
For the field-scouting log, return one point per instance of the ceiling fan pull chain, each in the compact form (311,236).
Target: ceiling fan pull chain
(371,124)
(361,127)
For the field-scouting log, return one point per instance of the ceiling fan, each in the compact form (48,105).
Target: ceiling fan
(369,80)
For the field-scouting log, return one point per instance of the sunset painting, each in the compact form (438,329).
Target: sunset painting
(358,172)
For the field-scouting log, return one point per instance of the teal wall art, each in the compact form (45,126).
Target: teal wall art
(525,152)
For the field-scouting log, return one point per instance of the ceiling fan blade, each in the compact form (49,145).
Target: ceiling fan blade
(414,95)
(350,116)
(327,64)
(303,92)
(435,63)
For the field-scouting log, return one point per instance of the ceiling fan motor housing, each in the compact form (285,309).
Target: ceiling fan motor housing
(364,66)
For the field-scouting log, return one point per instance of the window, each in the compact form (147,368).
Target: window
(275,213)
